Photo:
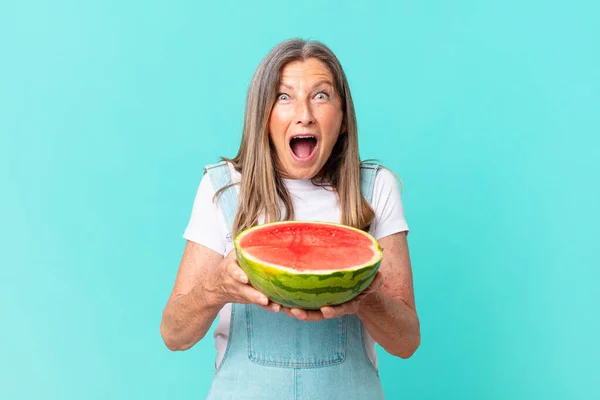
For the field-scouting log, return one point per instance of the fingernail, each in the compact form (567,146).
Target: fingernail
(263,300)
(243,278)
(277,307)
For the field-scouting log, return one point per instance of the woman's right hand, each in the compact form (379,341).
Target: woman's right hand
(227,283)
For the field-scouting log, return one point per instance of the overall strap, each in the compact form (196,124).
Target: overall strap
(368,173)
(220,177)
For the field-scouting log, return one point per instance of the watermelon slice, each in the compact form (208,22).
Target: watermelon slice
(308,264)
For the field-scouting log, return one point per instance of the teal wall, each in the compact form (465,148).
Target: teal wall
(489,111)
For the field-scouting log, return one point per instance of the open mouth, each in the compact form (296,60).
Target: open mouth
(303,146)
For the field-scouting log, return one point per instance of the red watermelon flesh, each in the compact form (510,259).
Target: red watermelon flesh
(308,246)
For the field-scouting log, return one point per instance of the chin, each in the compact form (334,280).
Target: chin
(301,173)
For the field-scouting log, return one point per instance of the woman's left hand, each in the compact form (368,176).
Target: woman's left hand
(327,312)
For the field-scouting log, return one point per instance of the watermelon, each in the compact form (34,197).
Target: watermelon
(308,264)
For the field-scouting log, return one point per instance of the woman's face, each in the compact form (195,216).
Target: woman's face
(306,119)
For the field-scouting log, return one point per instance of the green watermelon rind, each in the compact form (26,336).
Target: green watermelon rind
(309,290)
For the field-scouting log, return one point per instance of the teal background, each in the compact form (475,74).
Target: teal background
(489,111)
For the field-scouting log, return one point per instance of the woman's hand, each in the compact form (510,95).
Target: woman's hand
(227,283)
(327,312)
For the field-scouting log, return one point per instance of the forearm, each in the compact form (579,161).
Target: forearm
(186,319)
(392,323)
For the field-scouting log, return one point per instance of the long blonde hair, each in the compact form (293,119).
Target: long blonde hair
(261,188)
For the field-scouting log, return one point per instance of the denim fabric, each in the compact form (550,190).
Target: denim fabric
(272,356)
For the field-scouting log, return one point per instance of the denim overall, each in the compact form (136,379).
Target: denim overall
(272,356)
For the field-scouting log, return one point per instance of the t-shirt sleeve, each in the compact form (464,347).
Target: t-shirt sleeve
(206,224)
(387,203)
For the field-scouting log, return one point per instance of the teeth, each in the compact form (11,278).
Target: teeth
(303,137)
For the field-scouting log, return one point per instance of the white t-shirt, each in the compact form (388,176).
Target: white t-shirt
(207,226)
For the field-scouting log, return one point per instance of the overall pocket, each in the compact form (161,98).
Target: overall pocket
(275,339)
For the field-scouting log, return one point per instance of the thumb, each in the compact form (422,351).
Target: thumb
(376,284)
(231,254)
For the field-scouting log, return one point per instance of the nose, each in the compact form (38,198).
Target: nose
(304,114)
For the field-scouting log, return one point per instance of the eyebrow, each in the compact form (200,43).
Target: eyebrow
(319,83)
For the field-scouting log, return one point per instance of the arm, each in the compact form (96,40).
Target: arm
(389,313)
(189,314)
(205,282)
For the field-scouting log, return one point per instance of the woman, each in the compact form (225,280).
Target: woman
(298,160)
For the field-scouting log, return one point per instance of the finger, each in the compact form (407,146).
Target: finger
(298,313)
(307,315)
(328,312)
(232,254)
(334,312)
(273,307)
(361,296)
(287,312)
(303,315)
(340,310)
(234,271)
(378,281)
(314,316)
(253,296)
(374,286)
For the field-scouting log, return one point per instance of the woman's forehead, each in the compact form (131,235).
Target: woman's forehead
(311,70)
